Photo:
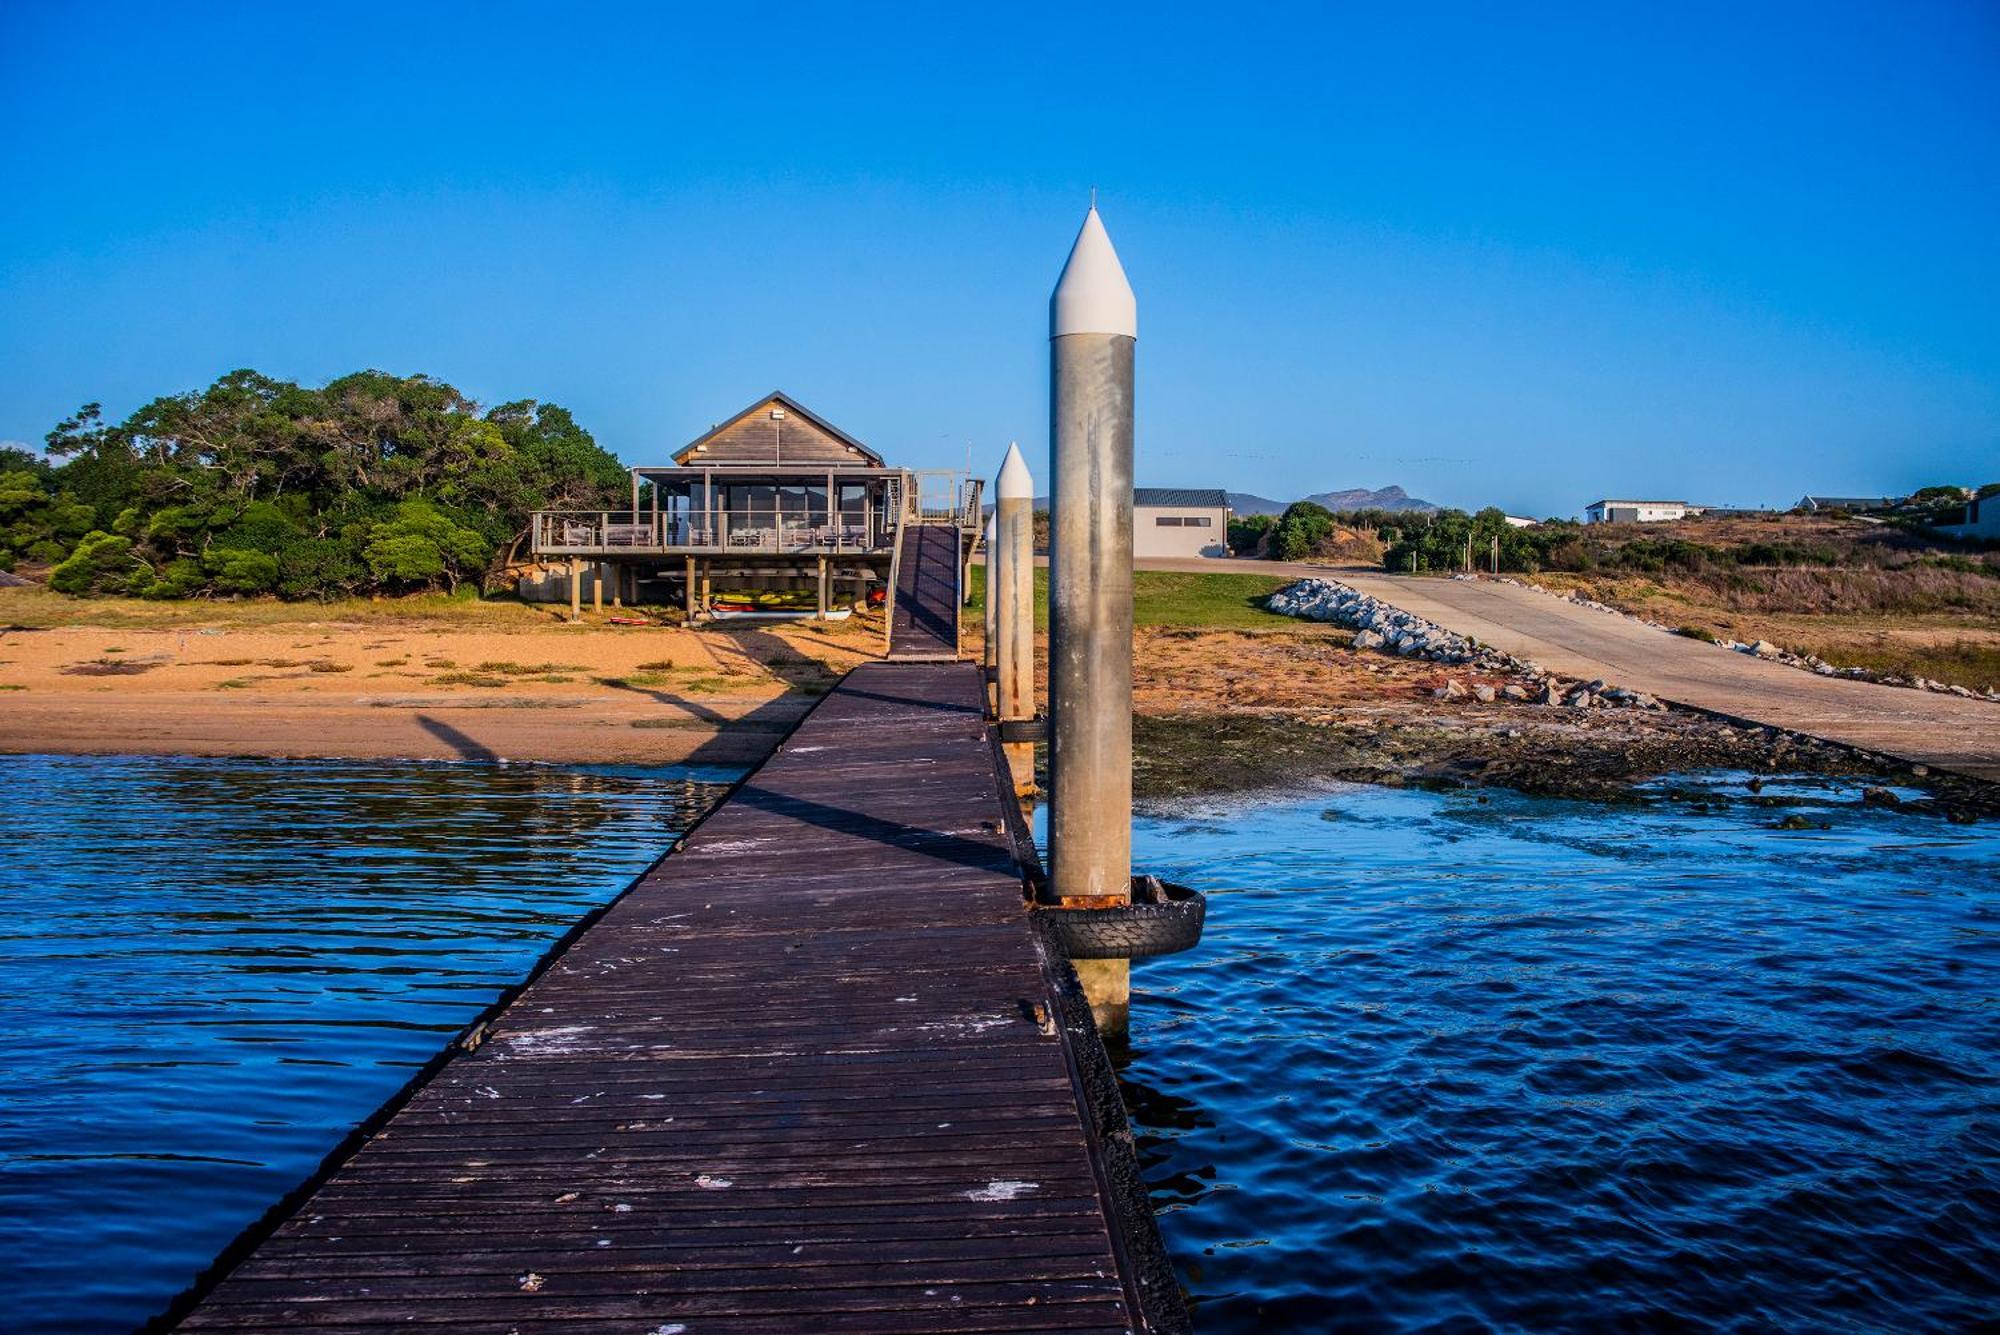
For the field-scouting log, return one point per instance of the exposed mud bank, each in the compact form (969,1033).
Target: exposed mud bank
(1548,752)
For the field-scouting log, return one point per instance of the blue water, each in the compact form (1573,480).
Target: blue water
(1458,1062)
(1444,1062)
(211,970)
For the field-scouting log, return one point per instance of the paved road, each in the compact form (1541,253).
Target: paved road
(1946,731)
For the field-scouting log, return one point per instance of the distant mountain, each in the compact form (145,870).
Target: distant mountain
(1354,498)
(1360,498)
(1243,503)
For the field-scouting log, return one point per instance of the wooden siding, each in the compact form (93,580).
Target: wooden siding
(752,437)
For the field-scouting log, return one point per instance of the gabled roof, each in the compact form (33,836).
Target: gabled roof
(711,447)
(1845,502)
(1185,498)
(1622,501)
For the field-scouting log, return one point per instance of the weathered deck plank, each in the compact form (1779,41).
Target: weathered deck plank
(924,626)
(801,1076)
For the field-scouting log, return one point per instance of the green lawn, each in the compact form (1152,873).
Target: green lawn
(1171,598)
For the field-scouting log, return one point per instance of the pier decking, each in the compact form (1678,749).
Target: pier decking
(923,625)
(807,1074)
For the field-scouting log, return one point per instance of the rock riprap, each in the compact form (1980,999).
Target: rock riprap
(1389,629)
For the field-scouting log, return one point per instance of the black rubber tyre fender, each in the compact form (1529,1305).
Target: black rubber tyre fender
(1168,920)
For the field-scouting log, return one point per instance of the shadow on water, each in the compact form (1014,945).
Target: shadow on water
(468,747)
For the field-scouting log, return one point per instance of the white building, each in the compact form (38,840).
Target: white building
(1637,512)
(1179,521)
(1982,520)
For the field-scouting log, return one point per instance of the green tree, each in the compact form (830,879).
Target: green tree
(102,563)
(1300,530)
(372,481)
(421,545)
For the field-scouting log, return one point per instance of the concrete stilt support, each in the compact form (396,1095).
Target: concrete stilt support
(1093,332)
(821,616)
(1010,592)
(575,589)
(687,590)
(617,573)
(597,586)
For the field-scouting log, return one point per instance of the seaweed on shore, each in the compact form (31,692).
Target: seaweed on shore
(1605,759)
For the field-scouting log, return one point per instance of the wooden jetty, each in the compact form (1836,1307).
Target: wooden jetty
(815,1071)
(923,621)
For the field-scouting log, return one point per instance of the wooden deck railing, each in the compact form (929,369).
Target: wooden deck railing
(614,531)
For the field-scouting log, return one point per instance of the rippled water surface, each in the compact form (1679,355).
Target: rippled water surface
(211,970)
(1446,1062)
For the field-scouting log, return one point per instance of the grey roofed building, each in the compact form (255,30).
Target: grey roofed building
(1180,521)
(1210,498)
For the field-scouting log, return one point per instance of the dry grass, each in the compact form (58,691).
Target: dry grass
(37,608)
(1911,621)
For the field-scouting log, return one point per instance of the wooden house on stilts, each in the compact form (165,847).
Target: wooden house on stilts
(774,500)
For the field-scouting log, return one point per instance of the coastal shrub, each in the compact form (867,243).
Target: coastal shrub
(181,577)
(241,571)
(102,563)
(1441,540)
(38,522)
(1248,534)
(370,483)
(420,545)
(1300,530)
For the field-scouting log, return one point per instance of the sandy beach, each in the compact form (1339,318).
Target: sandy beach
(1220,709)
(501,687)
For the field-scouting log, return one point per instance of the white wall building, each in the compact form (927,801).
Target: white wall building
(1179,521)
(1637,512)
(1982,520)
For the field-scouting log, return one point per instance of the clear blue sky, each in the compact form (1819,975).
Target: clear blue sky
(1524,256)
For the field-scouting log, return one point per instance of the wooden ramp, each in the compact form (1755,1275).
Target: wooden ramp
(801,1077)
(924,624)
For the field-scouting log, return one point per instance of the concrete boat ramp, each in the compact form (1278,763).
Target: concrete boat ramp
(1923,727)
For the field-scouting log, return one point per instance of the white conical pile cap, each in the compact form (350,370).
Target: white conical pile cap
(1092,296)
(1016,483)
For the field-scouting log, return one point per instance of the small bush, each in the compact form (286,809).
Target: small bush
(102,563)
(486,679)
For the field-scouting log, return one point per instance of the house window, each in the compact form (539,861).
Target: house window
(1198,521)
(1168,521)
